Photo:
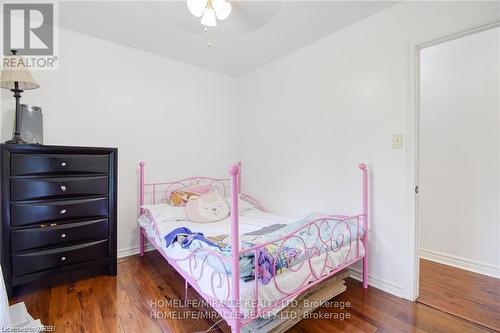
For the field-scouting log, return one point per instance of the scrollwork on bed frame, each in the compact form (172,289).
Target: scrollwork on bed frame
(325,246)
(197,261)
(160,192)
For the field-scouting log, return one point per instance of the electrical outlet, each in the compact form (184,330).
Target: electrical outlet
(397,141)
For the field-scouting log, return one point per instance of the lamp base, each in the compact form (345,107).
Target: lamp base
(16,139)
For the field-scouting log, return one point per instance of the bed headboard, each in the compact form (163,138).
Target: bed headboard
(154,193)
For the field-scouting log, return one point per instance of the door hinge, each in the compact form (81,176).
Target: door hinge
(417,189)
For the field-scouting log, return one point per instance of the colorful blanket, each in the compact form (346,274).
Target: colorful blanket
(276,257)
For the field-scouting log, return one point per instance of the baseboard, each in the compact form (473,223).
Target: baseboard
(462,263)
(378,283)
(133,250)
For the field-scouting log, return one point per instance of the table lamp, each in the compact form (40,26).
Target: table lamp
(17,80)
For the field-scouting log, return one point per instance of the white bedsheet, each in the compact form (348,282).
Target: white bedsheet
(250,220)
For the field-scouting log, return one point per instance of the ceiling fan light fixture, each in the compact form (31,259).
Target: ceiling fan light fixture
(210,10)
(222,9)
(197,7)
(208,19)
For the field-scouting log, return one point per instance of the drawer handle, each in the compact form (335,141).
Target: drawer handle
(63,236)
(63,258)
(63,164)
(63,211)
(63,188)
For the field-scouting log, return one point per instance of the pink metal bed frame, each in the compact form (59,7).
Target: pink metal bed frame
(228,305)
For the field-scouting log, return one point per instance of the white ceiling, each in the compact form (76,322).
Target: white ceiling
(255,34)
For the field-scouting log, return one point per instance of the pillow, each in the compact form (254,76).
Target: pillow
(181,196)
(206,208)
(164,212)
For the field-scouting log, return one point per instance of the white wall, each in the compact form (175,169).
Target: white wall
(312,116)
(177,118)
(460,152)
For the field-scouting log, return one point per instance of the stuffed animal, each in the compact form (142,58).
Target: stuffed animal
(180,198)
(209,207)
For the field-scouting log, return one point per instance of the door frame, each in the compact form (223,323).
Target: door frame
(489,20)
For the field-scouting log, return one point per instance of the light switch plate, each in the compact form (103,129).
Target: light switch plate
(397,141)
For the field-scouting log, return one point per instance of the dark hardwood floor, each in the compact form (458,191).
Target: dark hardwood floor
(126,303)
(465,294)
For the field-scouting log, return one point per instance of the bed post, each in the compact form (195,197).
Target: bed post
(141,202)
(239,177)
(234,171)
(362,166)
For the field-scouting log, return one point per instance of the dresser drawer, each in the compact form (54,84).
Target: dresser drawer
(59,235)
(54,188)
(41,260)
(50,212)
(40,164)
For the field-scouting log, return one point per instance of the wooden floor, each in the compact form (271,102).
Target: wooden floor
(126,303)
(468,295)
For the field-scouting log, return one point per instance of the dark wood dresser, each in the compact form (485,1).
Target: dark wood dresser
(58,211)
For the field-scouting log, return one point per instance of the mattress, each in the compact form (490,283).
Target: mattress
(249,221)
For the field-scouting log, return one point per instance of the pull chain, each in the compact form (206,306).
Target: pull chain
(209,43)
